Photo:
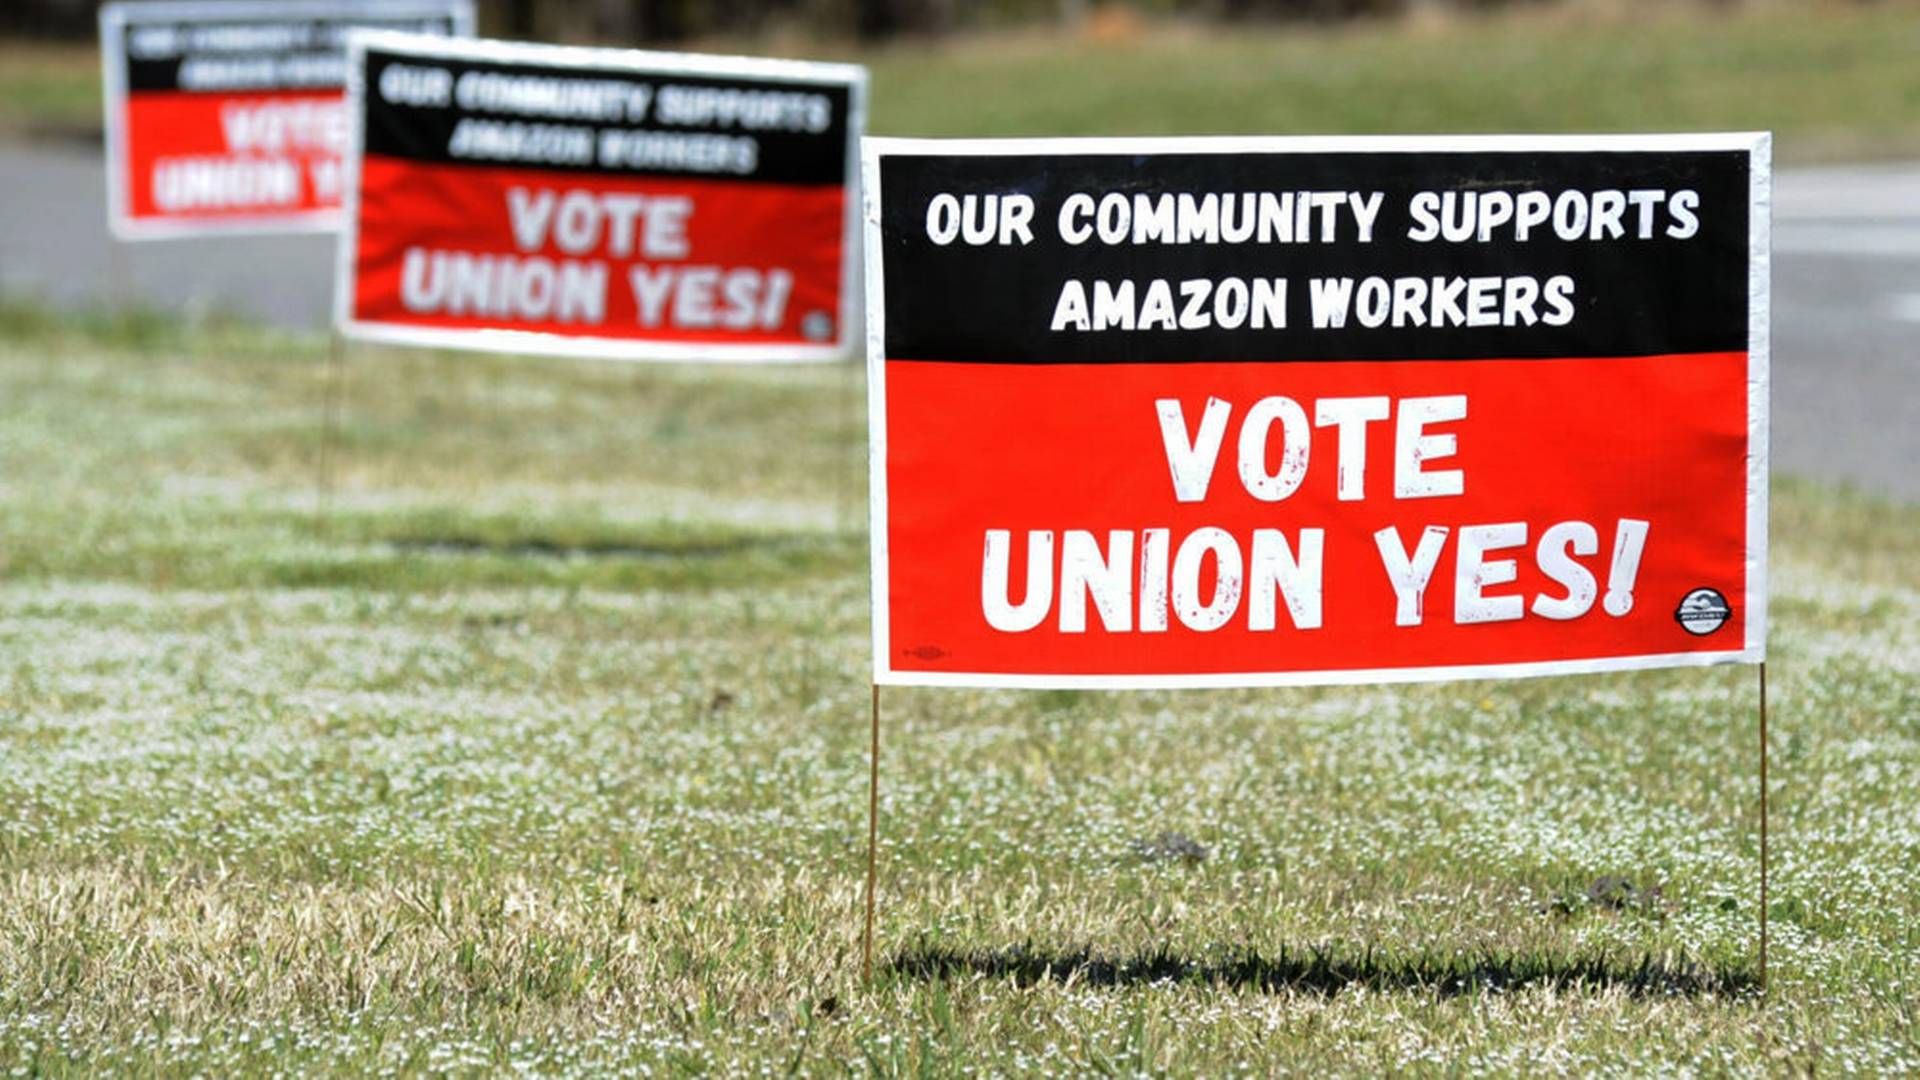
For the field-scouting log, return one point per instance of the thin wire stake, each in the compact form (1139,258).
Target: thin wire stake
(873,836)
(843,472)
(329,422)
(1763,826)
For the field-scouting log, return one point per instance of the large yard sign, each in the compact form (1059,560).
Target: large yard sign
(1237,412)
(227,115)
(599,202)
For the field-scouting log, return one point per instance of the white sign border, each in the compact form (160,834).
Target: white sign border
(116,16)
(851,76)
(1753,650)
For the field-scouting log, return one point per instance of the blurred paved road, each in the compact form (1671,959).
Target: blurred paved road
(1846,327)
(54,245)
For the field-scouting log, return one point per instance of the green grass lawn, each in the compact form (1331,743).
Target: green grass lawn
(48,87)
(546,750)
(1832,81)
(1835,80)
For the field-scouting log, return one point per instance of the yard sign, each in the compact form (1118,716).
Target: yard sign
(600,202)
(1257,412)
(226,115)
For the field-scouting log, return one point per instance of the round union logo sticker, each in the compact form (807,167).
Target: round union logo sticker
(1703,611)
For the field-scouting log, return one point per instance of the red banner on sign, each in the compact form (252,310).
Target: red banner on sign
(234,157)
(1580,482)
(457,247)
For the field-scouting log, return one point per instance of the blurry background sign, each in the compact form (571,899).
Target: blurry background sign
(227,115)
(599,202)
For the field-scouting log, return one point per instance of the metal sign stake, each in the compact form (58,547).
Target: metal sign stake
(873,836)
(335,376)
(1763,827)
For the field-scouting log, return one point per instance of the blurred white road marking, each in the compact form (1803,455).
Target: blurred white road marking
(1882,239)
(1905,307)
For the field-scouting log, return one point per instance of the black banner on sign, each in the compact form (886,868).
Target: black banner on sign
(229,46)
(468,111)
(1442,254)
(255,54)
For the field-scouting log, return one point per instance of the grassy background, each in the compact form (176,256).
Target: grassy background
(1831,81)
(545,746)
(1834,80)
(546,749)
